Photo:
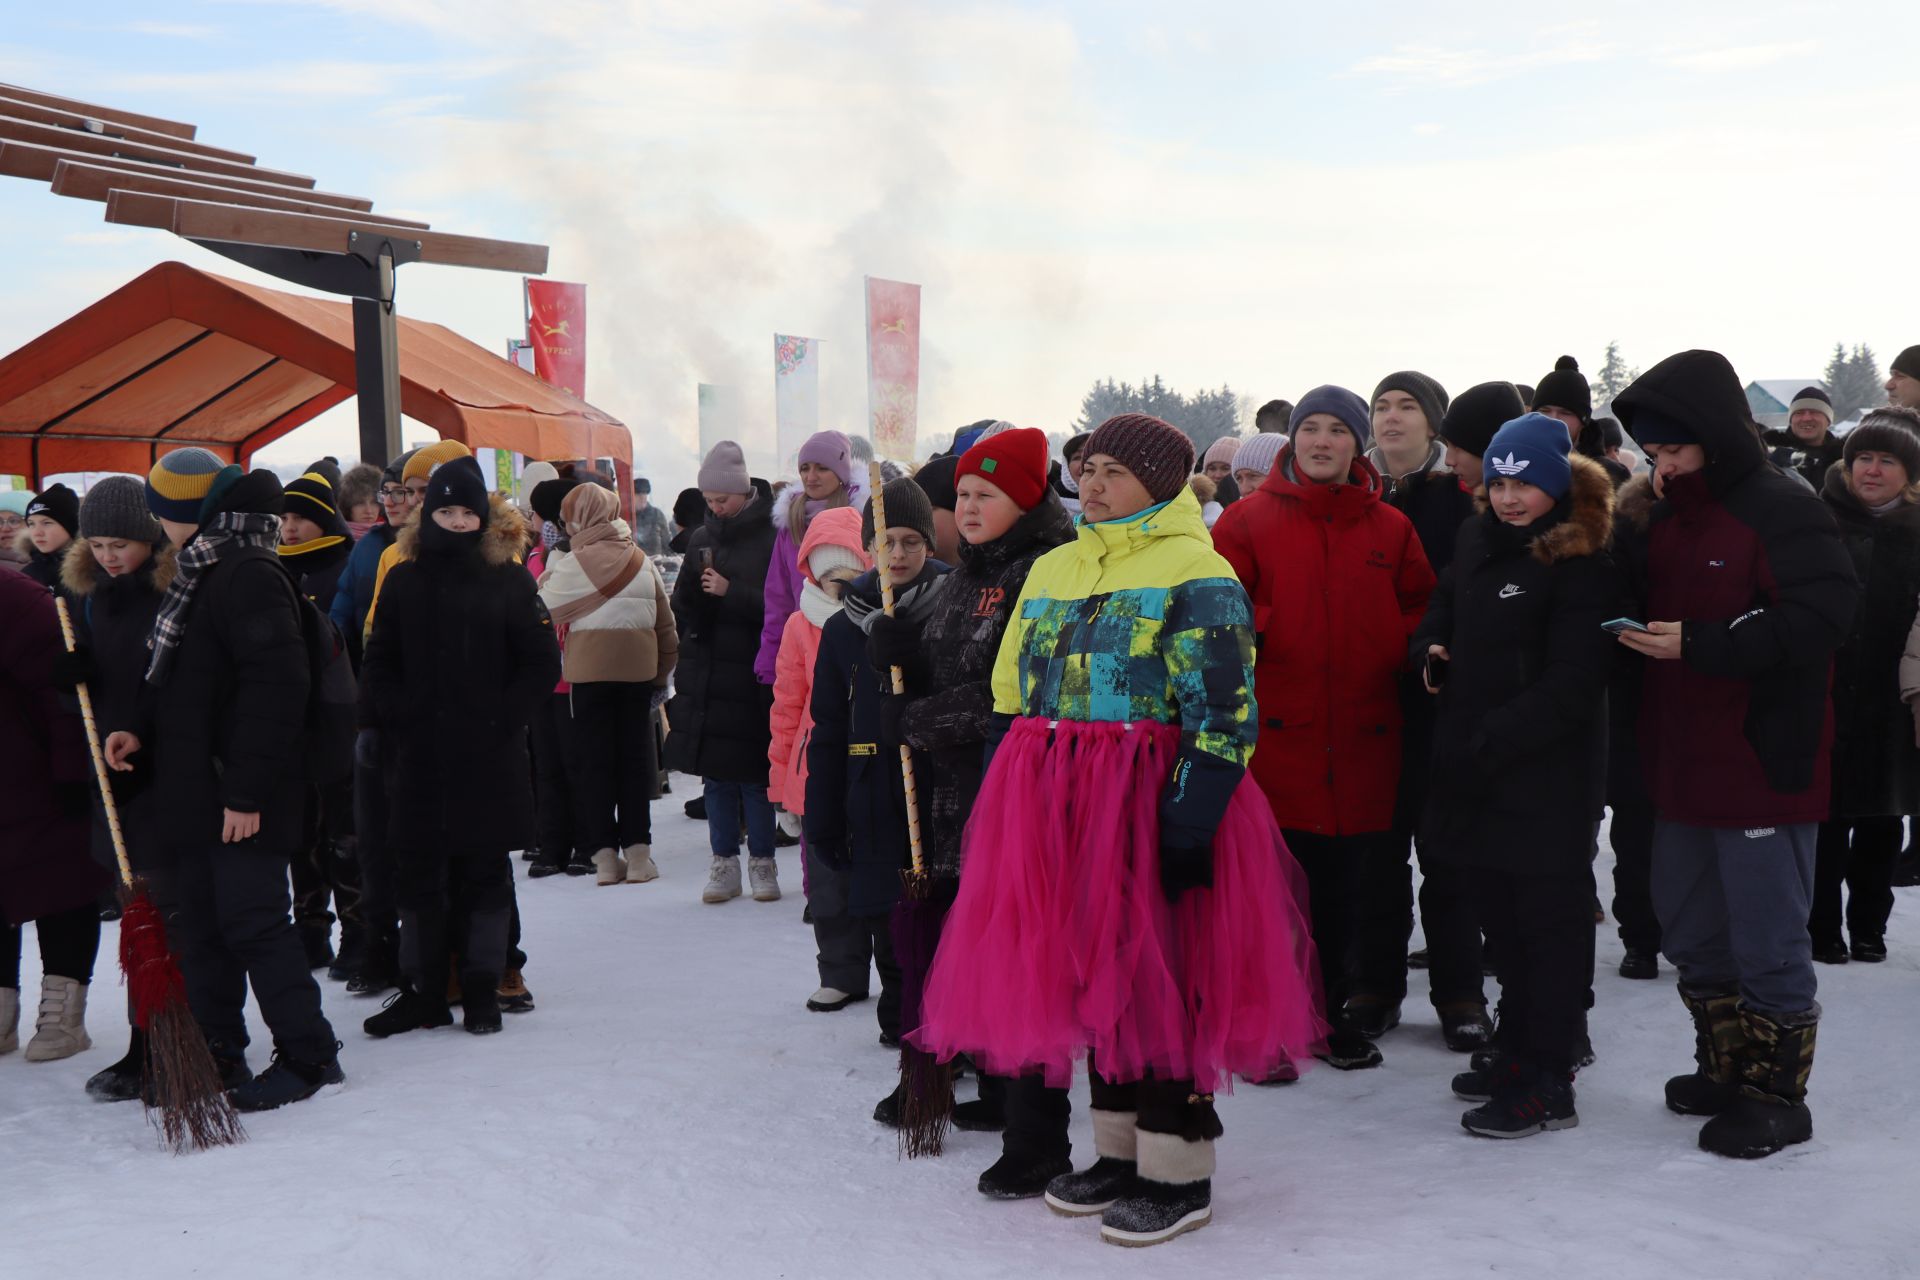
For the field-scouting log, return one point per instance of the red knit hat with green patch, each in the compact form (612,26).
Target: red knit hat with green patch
(1015,462)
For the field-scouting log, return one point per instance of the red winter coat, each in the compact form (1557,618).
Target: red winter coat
(1339,584)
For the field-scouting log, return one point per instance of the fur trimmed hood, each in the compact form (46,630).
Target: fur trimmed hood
(1587,527)
(781,514)
(1634,502)
(81,574)
(504,542)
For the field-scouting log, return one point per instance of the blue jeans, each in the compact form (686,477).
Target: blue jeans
(725,802)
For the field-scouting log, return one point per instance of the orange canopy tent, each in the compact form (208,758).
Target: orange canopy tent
(183,357)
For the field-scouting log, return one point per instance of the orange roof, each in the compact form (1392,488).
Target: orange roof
(179,356)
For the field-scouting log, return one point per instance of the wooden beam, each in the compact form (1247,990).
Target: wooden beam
(13,130)
(29,160)
(173,128)
(28,111)
(84,181)
(200,220)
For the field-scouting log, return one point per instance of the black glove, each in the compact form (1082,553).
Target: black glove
(893,710)
(893,642)
(1183,868)
(75,799)
(72,669)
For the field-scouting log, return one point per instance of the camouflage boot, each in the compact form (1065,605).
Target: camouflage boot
(1770,1110)
(1718,1044)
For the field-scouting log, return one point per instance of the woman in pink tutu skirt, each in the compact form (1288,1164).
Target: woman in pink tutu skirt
(1127,895)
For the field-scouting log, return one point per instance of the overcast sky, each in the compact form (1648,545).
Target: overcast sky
(1270,196)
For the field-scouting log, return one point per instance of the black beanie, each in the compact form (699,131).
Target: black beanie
(1565,388)
(1893,430)
(1477,413)
(549,494)
(312,496)
(689,509)
(937,482)
(1908,362)
(1526,393)
(907,508)
(1650,427)
(459,484)
(328,467)
(395,471)
(59,504)
(1432,397)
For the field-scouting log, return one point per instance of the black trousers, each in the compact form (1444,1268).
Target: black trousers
(231,929)
(1384,928)
(553,779)
(1859,853)
(329,871)
(69,941)
(1540,932)
(379,875)
(1341,873)
(454,899)
(613,768)
(1631,836)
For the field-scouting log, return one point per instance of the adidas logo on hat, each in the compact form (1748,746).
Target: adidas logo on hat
(1507,466)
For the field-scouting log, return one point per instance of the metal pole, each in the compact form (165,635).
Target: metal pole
(376,369)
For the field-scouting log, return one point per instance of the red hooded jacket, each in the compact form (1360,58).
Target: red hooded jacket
(1339,583)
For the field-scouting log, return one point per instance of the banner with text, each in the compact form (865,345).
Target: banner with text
(557,328)
(796,396)
(893,366)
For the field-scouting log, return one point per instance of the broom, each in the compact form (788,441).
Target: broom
(182,1092)
(926,1084)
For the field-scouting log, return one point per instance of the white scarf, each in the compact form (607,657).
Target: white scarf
(816,604)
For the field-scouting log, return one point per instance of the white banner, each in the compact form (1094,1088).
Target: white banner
(796,397)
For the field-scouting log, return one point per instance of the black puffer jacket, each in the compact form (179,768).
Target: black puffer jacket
(1788,453)
(1632,513)
(43,567)
(1876,766)
(318,571)
(461,653)
(1519,764)
(952,692)
(719,713)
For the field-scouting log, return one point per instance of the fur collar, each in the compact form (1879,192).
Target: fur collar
(1847,506)
(1587,527)
(505,540)
(81,574)
(1634,502)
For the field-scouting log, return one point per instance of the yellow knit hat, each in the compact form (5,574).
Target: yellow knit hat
(425,459)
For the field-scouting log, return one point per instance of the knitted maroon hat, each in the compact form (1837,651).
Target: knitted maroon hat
(1014,461)
(1158,453)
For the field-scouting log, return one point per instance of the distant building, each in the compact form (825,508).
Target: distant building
(1768,398)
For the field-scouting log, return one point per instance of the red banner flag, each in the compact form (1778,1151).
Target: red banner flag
(557,328)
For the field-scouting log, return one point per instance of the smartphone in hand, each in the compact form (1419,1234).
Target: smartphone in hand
(1620,625)
(1436,672)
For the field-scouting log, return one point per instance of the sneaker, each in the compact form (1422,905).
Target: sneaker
(1483,1081)
(1016,1176)
(1372,1016)
(1465,1027)
(529,855)
(640,868)
(1348,1051)
(832,1000)
(1155,1212)
(723,880)
(580,864)
(352,954)
(480,1011)
(407,1010)
(126,1079)
(287,1080)
(512,993)
(1640,963)
(764,875)
(980,1116)
(1523,1106)
(1869,950)
(1094,1190)
(1830,951)
(379,972)
(543,866)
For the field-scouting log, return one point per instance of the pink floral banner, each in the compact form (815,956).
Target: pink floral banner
(796,396)
(893,366)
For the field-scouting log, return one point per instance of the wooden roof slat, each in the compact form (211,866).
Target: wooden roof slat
(199,220)
(173,128)
(96,144)
(41,163)
(84,181)
(53,116)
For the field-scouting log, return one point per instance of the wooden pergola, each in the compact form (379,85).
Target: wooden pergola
(152,172)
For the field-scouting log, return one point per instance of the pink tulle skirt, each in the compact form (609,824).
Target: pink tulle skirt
(1061,940)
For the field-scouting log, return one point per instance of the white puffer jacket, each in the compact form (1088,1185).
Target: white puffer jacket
(629,639)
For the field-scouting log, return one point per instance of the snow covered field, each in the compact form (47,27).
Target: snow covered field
(671,1109)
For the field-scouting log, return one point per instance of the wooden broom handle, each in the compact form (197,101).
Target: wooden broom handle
(899,677)
(99,759)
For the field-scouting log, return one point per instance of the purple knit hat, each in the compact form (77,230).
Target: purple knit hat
(1158,453)
(831,450)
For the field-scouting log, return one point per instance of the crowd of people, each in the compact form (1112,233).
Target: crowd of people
(1179,727)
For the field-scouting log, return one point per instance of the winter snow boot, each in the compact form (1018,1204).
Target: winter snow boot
(547,864)
(231,1059)
(1022,1175)
(1769,1110)
(126,1079)
(764,875)
(696,808)
(1284,1072)
(1172,1195)
(480,1011)
(887,1112)
(832,1000)
(1116,1144)
(1372,1016)
(1719,1045)
(60,1031)
(9,1019)
(512,993)
(580,863)
(379,968)
(723,880)
(352,954)
(1830,951)
(981,1115)
(1465,1027)
(609,867)
(319,950)
(1869,950)
(288,1080)
(1347,1050)
(408,1010)
(1526,1102)
(640,868)
(889,1039)
(1640,963)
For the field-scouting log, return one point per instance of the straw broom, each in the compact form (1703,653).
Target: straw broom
(182,1093)
(926,1084)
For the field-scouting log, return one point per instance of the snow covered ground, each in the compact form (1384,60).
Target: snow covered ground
(671,1109)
